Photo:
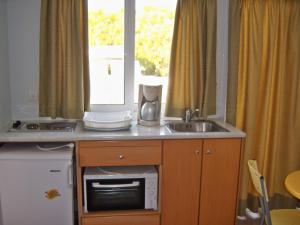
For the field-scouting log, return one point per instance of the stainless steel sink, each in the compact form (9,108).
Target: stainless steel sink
(195,126)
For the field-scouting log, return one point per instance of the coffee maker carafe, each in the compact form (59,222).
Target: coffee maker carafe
(149,105)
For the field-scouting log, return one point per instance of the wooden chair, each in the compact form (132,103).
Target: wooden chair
(273,217)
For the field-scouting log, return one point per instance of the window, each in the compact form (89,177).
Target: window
(130,43)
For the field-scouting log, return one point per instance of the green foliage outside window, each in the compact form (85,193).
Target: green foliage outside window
(105,28)
(153,36)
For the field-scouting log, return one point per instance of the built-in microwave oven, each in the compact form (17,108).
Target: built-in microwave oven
(120,188)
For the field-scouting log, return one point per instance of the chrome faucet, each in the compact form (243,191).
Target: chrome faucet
(189,114)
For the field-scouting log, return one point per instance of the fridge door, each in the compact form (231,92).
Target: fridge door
(36,192)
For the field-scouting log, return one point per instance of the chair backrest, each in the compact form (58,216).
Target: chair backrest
(257,178)
(260,186)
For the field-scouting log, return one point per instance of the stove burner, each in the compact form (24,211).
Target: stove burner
(16,124)
(32,126)
(58,126)
(61,126)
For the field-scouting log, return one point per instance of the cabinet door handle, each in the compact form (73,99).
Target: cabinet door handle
(197,152)
(70,175)
(98,185)
(208,152)
(121,156)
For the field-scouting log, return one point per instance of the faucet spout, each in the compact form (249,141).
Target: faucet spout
(189,114)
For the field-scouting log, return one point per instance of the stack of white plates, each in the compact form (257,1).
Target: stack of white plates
(108,121)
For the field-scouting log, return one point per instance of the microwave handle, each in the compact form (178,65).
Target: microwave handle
(98,185)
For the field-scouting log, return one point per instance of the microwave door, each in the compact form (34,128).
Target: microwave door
(116,194)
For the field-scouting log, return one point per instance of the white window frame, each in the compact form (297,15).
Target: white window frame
(129,57)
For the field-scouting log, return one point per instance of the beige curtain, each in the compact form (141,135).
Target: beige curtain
(64,71)
(192,75)
(268,94)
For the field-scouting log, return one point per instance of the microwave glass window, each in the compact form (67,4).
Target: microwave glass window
(115,194)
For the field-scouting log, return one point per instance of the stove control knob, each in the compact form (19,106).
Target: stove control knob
(17,124)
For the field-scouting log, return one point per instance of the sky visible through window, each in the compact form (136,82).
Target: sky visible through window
(94,5)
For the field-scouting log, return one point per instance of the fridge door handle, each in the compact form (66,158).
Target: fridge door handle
(70,175)
(98,185)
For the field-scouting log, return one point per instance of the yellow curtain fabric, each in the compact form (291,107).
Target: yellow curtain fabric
(268,95)
(192,75)
(64,71)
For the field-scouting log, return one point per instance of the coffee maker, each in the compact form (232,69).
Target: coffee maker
(149,105)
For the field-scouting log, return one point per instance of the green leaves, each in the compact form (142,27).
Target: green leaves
(153,35)
(106,28)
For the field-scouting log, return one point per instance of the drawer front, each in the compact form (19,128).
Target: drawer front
(122,220)
(121,153)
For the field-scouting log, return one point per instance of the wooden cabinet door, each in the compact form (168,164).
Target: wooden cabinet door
(181,181)
(219,181)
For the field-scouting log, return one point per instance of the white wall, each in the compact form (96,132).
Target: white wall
(222,57)
(23,33)
(4,69)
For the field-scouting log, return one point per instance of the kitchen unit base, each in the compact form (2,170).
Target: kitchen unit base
(197,179)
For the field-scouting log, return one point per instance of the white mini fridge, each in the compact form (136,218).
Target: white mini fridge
(36,185)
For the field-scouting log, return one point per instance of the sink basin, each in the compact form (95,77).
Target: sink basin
(195,126)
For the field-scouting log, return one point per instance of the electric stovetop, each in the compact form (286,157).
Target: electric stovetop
(33,126)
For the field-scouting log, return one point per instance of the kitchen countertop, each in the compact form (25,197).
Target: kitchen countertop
(136,132)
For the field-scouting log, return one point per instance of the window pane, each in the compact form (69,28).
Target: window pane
(106,51)
(153,39)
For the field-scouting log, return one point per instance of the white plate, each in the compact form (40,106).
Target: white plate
(107,129)
(111,120)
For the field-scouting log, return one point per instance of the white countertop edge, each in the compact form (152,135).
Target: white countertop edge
(136,132)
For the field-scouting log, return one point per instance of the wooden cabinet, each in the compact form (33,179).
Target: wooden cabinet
(181,181)
(117,153)
(200,181)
